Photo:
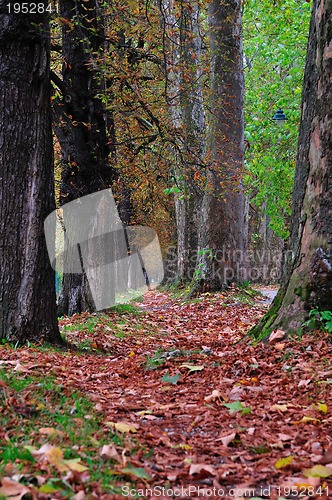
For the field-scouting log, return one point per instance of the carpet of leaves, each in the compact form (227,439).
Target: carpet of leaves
(201,410)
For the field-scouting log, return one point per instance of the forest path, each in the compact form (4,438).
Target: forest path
(268,291)
(184,401)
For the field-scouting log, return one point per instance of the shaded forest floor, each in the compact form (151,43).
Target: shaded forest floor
(168,399)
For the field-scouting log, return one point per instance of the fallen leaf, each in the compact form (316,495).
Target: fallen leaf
(284,437)
(212,397)
(321,407)
(305,419)
(202,469)
(276,335)
(318,471)
(283,462)
(277,407)
(75,465)
(280,346)
(122,427)
(109,451)
(226,440)
(49,431)
(192,368)
(12,490)
(237,406)
(171,379)
(136,471)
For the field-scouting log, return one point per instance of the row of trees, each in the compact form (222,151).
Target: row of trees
(123,97)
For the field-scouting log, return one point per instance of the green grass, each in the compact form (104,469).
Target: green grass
(30,402)
(125,309)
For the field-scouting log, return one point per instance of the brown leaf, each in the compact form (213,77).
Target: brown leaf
(226,440)
(13,490)
(109,451)
(276,335)
(202,470)
(212,397)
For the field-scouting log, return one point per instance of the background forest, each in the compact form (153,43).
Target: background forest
(133,88)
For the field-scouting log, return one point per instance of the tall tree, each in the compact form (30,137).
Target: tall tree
(308,270)
(184,59)
(82,125)
(223,226)
(27,283)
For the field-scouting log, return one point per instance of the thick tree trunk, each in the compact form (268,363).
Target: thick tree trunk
(27,281)
(83,127)
(223,225)
(308,269)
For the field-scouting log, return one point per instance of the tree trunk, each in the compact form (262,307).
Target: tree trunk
(27,281)
(82,126)
(265,249)
(307,281)
(223,225)
(185,96)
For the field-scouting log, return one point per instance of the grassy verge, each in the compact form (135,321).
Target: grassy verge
(51,437)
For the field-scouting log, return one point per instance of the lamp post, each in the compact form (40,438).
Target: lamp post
(280,117)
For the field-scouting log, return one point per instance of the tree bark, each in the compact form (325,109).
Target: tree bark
(185,96)
(82,126)
(307,281)
(223,224)
(27,281)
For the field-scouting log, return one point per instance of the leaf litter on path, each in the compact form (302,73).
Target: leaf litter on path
(193,405)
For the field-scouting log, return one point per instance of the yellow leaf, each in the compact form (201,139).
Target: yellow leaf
(182,446)
(131,354)
(318,471)
(283,462)
(122,427)
(54,457)
(321,407)
(74,464)
(306,419)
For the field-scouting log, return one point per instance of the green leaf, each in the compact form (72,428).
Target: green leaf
(328,326)
(260,450)
(136,471)
(234,407)
(171,379)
